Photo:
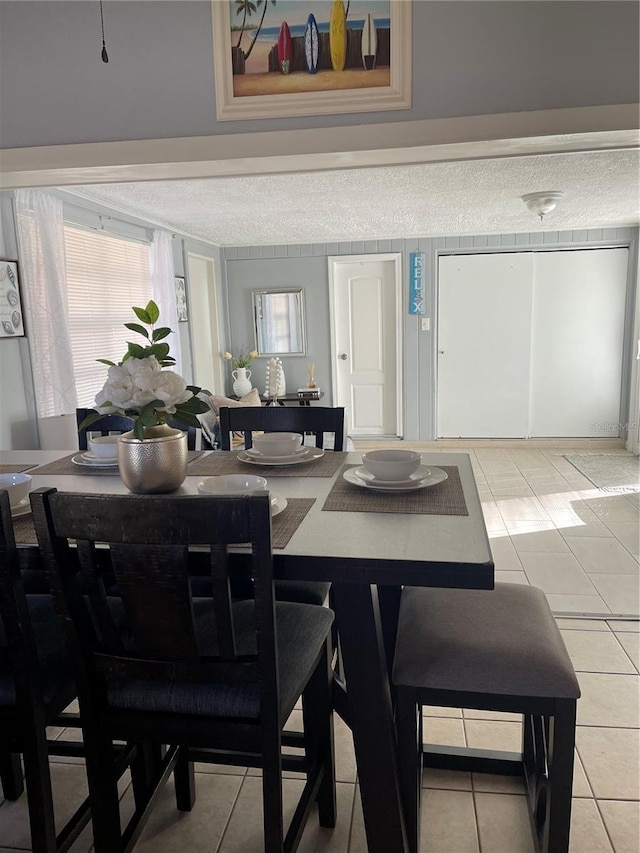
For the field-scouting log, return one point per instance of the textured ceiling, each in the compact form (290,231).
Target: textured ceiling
(472,197)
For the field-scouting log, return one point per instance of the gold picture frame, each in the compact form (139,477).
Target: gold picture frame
(305,89)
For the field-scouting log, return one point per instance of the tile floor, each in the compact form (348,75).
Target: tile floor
(550,527)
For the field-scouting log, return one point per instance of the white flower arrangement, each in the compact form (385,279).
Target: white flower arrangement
(139,388)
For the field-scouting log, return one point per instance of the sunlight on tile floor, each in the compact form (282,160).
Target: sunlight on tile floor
(549,526)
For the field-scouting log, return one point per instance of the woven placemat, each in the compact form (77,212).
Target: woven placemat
(283,526)
(16,469)
(445,498)
(227,462)
(66,466)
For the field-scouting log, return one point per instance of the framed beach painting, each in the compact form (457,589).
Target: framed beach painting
(11,317)
(275,58)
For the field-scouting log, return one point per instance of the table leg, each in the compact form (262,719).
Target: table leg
(371,716)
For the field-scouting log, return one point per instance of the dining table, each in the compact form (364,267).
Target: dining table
(368,543)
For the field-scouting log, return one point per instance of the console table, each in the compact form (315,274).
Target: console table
(292,398)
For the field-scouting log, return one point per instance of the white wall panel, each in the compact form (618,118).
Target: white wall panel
(577,335)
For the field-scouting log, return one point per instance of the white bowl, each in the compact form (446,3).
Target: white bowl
(232,484)
(105,446)
(18,486)
(391,464)
(277,443)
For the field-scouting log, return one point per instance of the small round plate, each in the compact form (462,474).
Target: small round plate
(94,461)
(278,503)
(23,508)
(420,474)
(312,453)
(436,476)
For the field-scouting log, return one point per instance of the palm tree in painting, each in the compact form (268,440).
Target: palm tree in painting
(244,8)
(262,3)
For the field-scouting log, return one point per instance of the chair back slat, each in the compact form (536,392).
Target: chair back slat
(314,419)
(147,538)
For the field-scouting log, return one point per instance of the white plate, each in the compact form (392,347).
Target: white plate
(278,503)
(421,474)
(80,459)
(92,457)
(256,454)
(436,476)
(23,508)
(311,454)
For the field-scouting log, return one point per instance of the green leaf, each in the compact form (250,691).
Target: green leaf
(186,418)
(160,333)
(153,311)
(136,328)
(106,361)
(135,350)
(161,351)
(194,405)
(143,315)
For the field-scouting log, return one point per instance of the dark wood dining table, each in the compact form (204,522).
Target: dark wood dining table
(368,550)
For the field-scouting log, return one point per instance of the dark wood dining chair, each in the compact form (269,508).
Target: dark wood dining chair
(110,424)
(493,650)
(36,685)
(213,678)
(318,420)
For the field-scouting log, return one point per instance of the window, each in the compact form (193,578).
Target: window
(106,275)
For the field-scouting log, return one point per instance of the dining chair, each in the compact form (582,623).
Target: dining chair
(318,420)
(119,424)
(213,678)
(492,650)
(36,685)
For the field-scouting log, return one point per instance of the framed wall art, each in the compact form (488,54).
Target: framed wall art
(310,57)
(11,318)
(181,299)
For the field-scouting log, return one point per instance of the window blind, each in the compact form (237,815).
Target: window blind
(106,276)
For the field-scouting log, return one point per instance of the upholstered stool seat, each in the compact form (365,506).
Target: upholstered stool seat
(497,650)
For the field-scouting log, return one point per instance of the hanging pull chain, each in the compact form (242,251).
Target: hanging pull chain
(105,55)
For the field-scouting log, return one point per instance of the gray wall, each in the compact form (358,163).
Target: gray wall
(306,266)
(471,57)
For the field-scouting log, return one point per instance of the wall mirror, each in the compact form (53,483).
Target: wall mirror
(279,322)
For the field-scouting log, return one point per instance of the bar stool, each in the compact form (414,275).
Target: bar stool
(497,650)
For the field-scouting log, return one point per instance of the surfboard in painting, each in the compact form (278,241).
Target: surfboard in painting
(284,48)
(369,43)
(311,45)
(338,35)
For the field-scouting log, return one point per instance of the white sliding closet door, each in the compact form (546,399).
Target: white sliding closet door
(577,335)
(484,331)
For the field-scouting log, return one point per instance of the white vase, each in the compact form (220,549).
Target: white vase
(156,464)
(241,385)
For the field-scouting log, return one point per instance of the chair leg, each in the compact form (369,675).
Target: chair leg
(38,782)
(317,714)
(185,781)
(103,789)
(11,775)
(272,797)
(409,729)
(561,753)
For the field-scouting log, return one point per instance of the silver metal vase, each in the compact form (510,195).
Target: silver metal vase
(156,464)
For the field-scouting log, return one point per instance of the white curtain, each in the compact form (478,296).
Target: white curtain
(41,250)
(164,290)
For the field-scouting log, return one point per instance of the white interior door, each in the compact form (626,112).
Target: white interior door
(204,323)
(576,344)
(484,329)
(366,342)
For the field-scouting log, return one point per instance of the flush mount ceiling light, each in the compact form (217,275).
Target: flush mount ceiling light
(542,203)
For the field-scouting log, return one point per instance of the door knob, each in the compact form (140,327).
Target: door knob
(343,356)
